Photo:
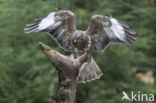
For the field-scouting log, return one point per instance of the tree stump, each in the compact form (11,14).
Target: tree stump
(68,70)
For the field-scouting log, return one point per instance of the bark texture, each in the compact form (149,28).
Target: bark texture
(68,70)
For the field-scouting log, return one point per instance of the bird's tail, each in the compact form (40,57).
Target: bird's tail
(89,71)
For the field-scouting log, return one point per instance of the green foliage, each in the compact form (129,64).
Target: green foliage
(26,76)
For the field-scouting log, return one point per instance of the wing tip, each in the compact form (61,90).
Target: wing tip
(127,41)
(130,36)
(29,29)
(33,26)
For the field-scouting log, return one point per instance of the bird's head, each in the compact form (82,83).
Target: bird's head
(79,39)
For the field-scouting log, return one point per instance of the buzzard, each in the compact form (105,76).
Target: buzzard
(102,30)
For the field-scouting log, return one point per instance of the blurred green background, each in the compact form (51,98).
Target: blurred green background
(26,75)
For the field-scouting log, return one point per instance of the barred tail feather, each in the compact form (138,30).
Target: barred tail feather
(89,71)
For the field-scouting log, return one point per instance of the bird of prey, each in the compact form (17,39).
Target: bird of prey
(102,30)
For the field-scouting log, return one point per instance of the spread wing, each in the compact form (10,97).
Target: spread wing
(60,25)
(104,29)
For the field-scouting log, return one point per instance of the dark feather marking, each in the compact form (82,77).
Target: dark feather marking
(31,28)
(126,40)
(32,24)
(105,43)
(124,27)
(123,23)
(129,31)
(60,40)
(53,33)
(63,44)
(41,17)
(131,38)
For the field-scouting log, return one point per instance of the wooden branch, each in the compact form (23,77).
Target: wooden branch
(68,70)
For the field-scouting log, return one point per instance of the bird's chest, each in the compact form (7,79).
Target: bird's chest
(78,51)
(81,49)
(81,46)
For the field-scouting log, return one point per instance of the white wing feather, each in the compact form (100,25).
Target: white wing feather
(105,29)
(117,29)
(47,22)
(59,24)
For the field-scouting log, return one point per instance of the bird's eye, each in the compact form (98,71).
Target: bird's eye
(74,41)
